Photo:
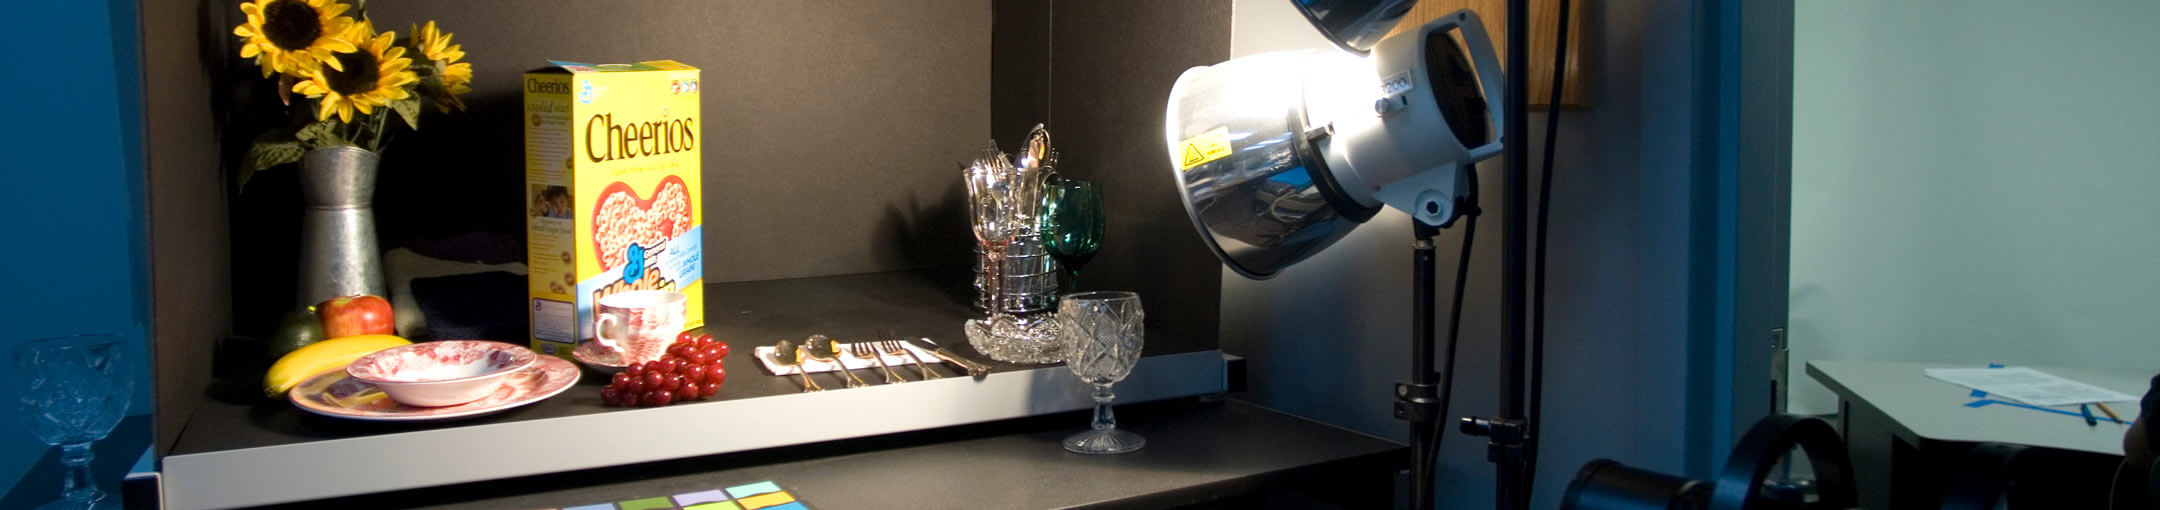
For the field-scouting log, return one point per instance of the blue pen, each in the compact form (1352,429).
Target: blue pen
(2087,411)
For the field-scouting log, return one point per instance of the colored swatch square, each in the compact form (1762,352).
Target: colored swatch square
(766,500)
(752,489)
(596,506)
(700,497)
(790,506)
(653,503)
(721,505)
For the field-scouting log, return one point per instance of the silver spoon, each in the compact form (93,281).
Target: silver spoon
(1038,147)
(788,354)
(825,349)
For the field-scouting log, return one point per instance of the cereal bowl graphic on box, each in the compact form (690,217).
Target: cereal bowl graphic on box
(611,158)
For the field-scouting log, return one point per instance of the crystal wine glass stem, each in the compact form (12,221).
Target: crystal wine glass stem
(1103,418)
(1072,278)
(78,486)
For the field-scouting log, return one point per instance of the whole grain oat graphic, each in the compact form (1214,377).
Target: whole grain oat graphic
(621,218)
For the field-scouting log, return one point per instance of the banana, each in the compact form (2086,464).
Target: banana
(319,357)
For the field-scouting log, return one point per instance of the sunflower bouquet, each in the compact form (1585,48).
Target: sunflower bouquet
(349,78)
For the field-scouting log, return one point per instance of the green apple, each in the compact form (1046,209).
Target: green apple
(298,329)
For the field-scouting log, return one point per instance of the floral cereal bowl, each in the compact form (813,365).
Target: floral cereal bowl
(442,373)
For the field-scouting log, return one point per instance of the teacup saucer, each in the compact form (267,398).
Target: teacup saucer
(599,357)
(337,394)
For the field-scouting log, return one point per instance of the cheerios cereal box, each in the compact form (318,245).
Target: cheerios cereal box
(611,173)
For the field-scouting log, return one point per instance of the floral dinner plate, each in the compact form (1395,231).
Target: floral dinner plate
(336,394)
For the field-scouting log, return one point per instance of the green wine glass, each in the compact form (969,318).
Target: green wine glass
(1072,225)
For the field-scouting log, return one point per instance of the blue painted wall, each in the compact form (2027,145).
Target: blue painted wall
(1974,182)
(71,193)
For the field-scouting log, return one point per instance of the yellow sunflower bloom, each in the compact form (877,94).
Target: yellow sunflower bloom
(434,44)
(457,80)
(293,36)
(373,76)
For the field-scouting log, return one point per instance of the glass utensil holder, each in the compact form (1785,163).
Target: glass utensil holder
(1023,329)
(1030,273)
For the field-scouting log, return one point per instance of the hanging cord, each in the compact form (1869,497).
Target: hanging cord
(1544,213)
(1469,210)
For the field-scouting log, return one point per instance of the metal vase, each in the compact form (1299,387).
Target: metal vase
(337,233)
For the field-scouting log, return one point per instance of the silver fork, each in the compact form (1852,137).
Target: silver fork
(863,350)
(893,346)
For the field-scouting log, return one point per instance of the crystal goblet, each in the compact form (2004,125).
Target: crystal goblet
(73,391)
(1101,332)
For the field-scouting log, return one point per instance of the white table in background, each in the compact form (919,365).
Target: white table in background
(1899,424)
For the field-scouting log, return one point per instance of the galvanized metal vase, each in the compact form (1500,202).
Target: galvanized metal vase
(337,234)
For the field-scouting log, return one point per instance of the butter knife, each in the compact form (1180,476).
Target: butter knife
(973,368)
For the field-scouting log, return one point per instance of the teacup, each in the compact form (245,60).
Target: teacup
(640,323)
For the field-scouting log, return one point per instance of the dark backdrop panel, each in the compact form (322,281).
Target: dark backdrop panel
(833,131)
(833,126)
(1110,64)
(1019,70)
(836,128)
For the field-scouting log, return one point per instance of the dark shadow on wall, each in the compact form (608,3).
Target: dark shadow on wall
(928,234)
(460,173)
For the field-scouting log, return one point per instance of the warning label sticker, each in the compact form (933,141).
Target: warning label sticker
(1209,146)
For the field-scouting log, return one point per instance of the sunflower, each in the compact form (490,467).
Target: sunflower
(435,44)
(456,76)
(293,36)
(373,76)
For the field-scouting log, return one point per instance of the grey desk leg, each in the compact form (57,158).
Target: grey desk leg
(1869,441)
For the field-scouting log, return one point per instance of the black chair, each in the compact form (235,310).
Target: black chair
(1605,484)
(1999,475)
(1986,476)
(2152,484)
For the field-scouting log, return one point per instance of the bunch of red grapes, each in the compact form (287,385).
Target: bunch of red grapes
(691,370)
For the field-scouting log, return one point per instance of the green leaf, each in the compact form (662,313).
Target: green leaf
(408,108)
(322,134)
(269,151)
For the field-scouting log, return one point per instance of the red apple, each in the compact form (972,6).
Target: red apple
(356,315)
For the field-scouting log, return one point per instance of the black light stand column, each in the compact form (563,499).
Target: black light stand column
(1417,400)
(1507,435)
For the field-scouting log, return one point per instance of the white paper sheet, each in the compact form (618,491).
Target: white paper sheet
(2028,386)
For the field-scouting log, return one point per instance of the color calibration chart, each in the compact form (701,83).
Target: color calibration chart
(755,496)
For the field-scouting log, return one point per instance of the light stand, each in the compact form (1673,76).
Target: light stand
(1279,155)
(1510,442)
(1417,401)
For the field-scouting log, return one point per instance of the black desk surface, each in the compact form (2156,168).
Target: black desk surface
(1197,452)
